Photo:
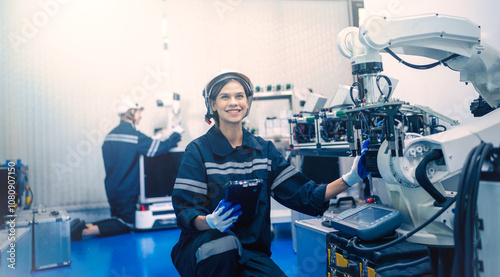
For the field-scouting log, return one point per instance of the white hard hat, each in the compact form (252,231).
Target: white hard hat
(126,104)
(222,75)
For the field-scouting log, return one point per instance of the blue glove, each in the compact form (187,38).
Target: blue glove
(224,216)
(174,138)
(358,171)
(365,146)
(362,171)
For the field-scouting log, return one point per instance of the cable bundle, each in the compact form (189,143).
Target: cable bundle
(466,208)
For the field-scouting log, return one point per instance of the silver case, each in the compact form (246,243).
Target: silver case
(311,247)
(51,239)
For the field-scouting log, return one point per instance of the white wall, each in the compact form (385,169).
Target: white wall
(273,42)
(438,88)
(63,64)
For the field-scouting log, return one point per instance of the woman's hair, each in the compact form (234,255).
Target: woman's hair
(216,90)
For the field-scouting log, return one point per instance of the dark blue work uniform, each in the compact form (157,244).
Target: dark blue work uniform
(121,150)
(208,163)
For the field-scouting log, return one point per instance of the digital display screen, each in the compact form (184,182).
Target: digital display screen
(367,216)
(160,173)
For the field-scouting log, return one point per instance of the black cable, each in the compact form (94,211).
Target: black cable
(465,211)
(367,189)
(423,180)
(420,67)
(471,214)
(470,245)
(388,80)
(369,118)
(299,130)
(459,215)
(471,219)
(360,88)
(402,265)
(468,225)
(325,124)
(435,128)
(496,160)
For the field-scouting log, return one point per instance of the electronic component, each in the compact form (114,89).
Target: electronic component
(332,127)
(303,132)
(368,222)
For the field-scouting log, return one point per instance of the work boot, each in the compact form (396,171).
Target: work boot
(77,227)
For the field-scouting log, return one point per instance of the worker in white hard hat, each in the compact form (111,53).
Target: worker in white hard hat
(129,110)
(213,241)
(121,150)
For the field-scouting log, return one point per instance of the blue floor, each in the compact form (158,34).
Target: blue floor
(148,254)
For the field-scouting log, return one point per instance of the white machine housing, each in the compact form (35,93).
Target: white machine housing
(410,198)
(489,191)
(438,37)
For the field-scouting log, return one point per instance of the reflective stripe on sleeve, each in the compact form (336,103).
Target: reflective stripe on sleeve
(153,148)
(236,164)
(217,246)
(285,174)
(191,185)
(122,138)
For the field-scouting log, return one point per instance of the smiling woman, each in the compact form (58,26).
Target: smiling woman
(231,104)
(215,241)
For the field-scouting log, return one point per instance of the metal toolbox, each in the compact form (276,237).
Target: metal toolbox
(15,251)
(51,239)
(311,247)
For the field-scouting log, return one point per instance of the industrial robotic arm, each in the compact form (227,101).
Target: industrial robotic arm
(414,168)
(453,41)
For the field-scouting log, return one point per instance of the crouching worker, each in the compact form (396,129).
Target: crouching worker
(211,242)
(121,150)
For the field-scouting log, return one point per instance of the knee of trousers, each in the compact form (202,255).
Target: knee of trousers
(219,245)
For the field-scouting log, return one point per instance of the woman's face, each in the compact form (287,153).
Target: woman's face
(231,104)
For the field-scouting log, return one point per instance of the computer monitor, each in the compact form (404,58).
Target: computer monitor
(157,177)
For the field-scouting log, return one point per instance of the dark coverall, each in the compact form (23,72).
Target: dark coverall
(208,163)
(121,150)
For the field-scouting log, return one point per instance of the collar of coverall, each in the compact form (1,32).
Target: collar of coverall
(221,146)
